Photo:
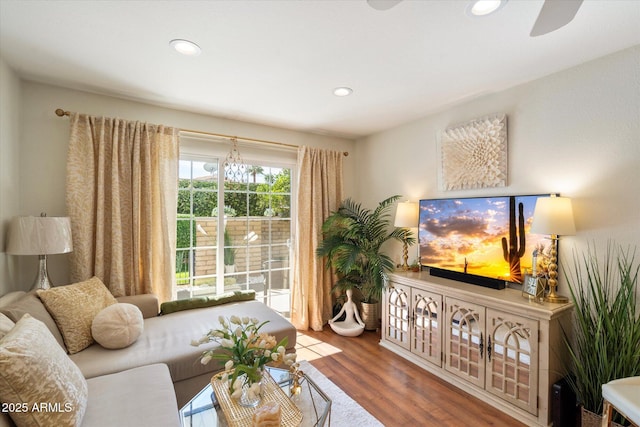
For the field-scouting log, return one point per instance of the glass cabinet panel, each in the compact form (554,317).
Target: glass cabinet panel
(426,329)
(397,314)
(465,341)
(511,358)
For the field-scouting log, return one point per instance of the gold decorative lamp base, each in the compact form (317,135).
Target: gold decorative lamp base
(553,273)
(405,256)
(556,299)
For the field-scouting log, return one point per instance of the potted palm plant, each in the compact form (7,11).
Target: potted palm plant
(606,341)
(353,238)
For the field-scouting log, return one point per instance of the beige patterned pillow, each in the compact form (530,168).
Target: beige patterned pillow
(35,370)
(73,307)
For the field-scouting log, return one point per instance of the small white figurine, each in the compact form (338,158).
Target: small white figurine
(352,325)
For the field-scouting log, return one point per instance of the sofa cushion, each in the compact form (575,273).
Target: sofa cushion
(167,339)
(137,397)
(6,325)
(117,326)
(73,307)
(7,299)
(147,303)
(35,371)
(206,301)
(30,303)
(5,420)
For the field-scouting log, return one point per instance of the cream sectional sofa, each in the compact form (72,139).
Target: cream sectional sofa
(146,382)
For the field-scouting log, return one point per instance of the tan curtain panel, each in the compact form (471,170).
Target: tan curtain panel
(121,196)
(319,193)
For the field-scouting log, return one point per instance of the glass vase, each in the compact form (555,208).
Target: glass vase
(251,392)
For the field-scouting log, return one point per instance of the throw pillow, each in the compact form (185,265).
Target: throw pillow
(30,303)
(208,301)
(6,325)
(37,378)
(117,326)
(73,307)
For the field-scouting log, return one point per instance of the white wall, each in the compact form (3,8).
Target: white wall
(576,132)
(9,157)
(44,139)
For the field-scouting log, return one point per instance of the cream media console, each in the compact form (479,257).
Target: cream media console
(493,344)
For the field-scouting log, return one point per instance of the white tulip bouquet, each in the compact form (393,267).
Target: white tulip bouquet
(246,352)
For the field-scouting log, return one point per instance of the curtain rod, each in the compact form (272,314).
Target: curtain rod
(61,113)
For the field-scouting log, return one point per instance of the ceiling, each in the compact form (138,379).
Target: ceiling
(277,62)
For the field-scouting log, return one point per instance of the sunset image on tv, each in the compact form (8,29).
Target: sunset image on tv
(465,235)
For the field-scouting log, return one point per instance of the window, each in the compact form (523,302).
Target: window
(246,244)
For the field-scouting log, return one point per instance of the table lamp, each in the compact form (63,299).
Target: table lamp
(42,236)
(553,216)
(406,217)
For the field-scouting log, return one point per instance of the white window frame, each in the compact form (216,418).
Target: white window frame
(199,147)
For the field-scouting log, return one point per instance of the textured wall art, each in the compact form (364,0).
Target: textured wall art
(474,154)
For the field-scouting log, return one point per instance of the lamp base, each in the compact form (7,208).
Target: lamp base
(553,273)
(405,257)
(556,299)
(42,280)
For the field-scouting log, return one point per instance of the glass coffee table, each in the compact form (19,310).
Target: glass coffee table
(204,411)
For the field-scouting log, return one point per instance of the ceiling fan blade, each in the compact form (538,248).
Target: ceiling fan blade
(383,4)
(555,14)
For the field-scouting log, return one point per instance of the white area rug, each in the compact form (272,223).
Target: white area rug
(344,410)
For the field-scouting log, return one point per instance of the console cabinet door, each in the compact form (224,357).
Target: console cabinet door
(512,359)
(426,333)
(464,340)
(397,314)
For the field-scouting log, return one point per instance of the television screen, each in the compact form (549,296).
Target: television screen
(484,239)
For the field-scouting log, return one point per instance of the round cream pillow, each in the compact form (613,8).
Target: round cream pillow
(117,326)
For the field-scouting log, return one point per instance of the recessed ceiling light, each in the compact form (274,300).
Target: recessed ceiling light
(342,91)
(484,7)
(185,47)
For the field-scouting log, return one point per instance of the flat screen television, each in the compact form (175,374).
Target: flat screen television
(479,240)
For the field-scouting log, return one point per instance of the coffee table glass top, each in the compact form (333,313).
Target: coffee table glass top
(204,411)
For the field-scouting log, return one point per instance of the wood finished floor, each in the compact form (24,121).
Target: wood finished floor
(395,391)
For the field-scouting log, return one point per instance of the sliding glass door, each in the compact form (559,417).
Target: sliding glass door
(245,244)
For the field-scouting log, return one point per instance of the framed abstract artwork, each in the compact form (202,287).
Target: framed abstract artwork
(474,154)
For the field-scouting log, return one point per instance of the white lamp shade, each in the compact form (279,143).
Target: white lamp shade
(39,235)
(553,215)
(406,215)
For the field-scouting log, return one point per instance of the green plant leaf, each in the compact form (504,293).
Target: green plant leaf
(352,241)
(605,344)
